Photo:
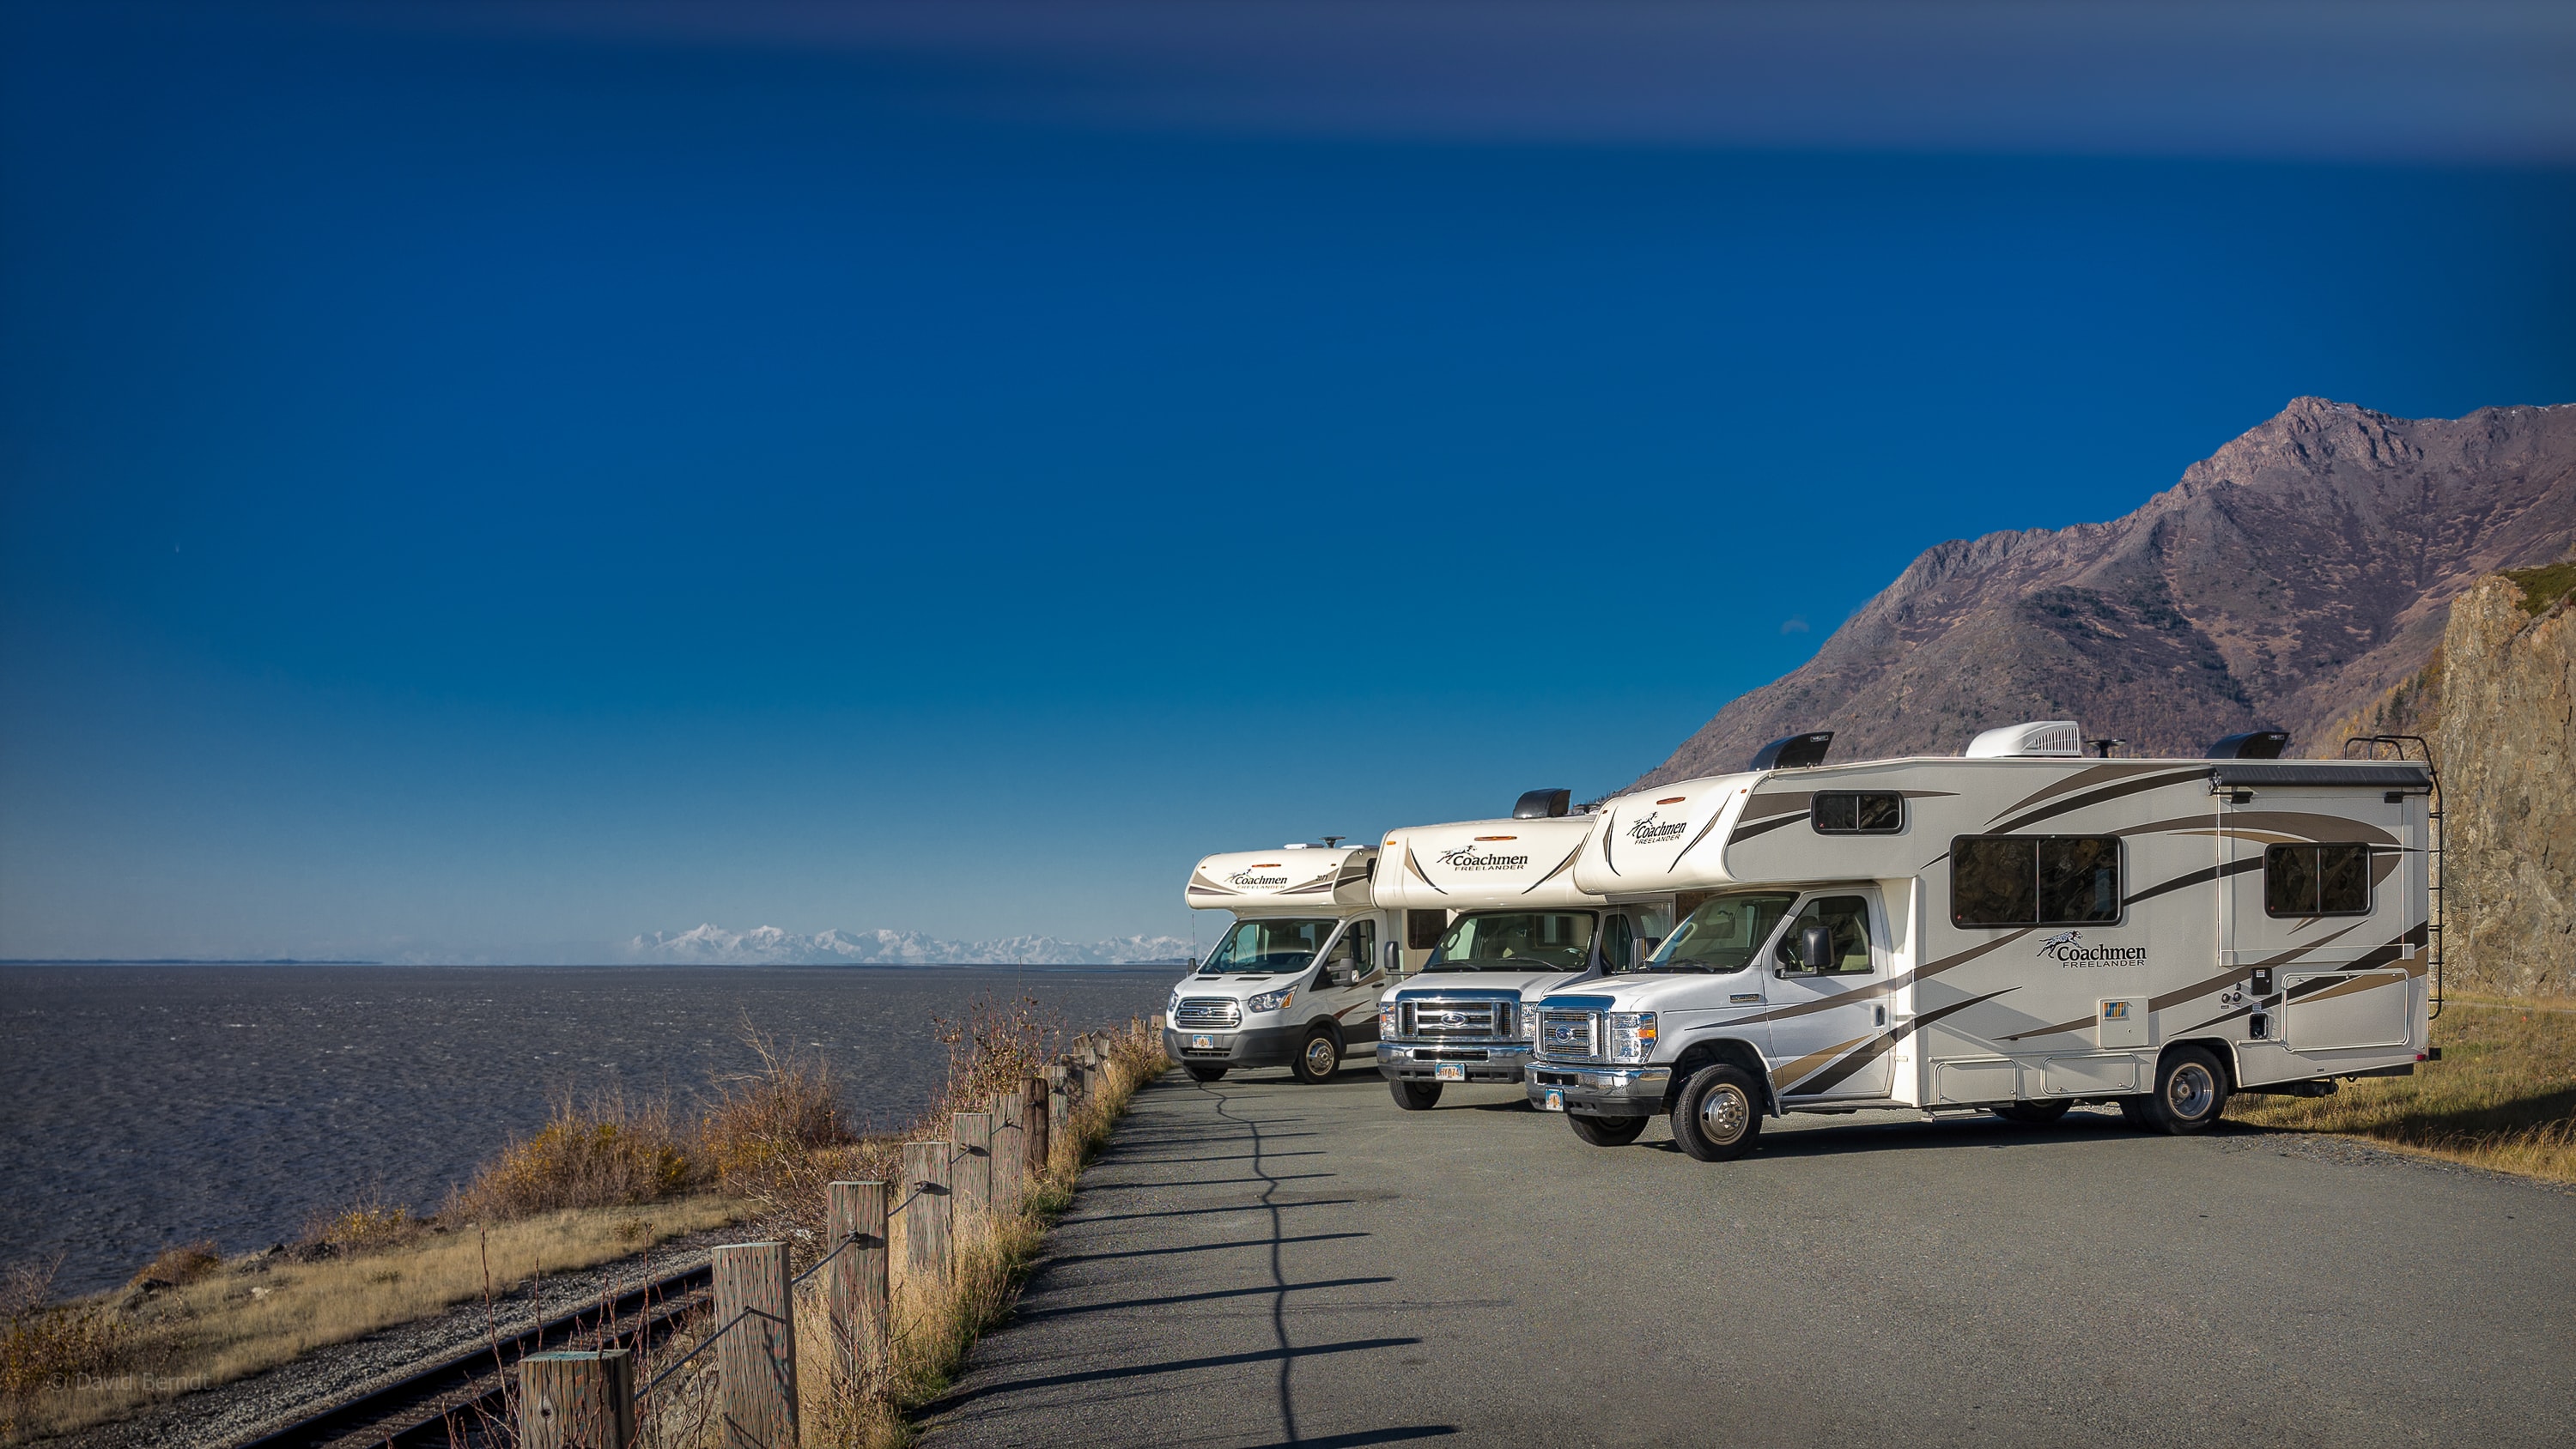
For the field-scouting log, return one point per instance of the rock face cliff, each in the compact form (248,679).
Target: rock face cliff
(2303,570)
(2506,744)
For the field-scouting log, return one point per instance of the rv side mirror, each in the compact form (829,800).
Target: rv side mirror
(1816,949)
(1394,958)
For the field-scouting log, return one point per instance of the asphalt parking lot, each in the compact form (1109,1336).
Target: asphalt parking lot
(1258,1262)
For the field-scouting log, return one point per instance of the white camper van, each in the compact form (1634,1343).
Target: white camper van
(2017,931)
(1293,981)
(1493,921)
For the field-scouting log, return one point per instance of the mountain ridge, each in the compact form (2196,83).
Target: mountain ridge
(713,945)
(2301,570)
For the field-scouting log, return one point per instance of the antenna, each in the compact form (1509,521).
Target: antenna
(2102,748)
(1332,840)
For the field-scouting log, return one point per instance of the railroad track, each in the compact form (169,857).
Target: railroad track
(452,1401)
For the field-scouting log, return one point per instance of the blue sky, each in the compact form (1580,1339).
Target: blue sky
(483,480)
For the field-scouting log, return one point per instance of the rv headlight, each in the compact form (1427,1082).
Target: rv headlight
(1272,1000)
(1527,1020)
(1386,1019)
(1632,1036)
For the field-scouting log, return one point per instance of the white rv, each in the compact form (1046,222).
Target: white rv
(1493,921)
(1293,981)
(2017,931)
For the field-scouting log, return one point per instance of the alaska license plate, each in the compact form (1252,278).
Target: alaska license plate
(1448,1072)
(1555,1102)
(1202,1043)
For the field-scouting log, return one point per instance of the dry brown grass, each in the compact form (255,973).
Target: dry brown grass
(183,1264)
(606,1152)
(2502,1097)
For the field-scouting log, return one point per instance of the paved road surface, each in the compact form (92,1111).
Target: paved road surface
(1264,1263)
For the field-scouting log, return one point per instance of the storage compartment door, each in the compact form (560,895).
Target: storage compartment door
(2335,1011)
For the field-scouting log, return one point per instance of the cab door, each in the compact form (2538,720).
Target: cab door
(1347,987)
(1829,1036)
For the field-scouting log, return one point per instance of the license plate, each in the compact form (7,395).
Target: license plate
(1448,1072)
(1555,1102)
(1202,1043)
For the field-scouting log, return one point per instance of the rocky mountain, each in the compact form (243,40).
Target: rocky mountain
(2294,576)
(709,945)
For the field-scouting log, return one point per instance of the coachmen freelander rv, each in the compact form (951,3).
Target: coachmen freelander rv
(1294,980)
(1495,903)
(2016,931)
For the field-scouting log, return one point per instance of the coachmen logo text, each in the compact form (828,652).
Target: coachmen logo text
(1247,878)
(1648,830)
(2069,950)
(1466,858)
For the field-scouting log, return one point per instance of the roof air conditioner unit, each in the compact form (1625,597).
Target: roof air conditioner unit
(2251,745)
(1793,752)
(1543,804)
(2045,737)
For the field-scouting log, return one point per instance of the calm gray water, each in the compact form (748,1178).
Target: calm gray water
(147,1105)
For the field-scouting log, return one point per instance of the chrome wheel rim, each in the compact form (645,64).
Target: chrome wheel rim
(2190,1091)
(1320,1057)
(1723,1113)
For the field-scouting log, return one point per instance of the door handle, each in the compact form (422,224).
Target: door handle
(1882,1016)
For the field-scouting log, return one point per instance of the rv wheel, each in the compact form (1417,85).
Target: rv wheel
(1606,1131)
(2033,1114)
(1318,1056)
(1206,1074)
(2190,1092)
(1718,1115)
(1416,1096)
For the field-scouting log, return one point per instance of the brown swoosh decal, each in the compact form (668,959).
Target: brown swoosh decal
(1201,885)
(1883,988)
(1561,866)
(1763,807)
(2137,785)
(1744,833)
(1609,831)
(2197,988)
(1799,1070)
(2367,981)
(1886,1041)
(1415,866)
(1714,816)
(2193,878)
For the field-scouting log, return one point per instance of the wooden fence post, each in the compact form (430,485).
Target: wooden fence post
(1010,1150)
(756,1358)
(1059,1105)
(855,1284)
(577,1400)
(973,1172)
(926,1211)
(1033,1121)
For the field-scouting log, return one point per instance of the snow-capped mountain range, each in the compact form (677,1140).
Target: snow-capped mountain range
(769,946)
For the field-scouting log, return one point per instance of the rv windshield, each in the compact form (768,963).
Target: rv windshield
(1266,948)
(1722,935)
(1515,941)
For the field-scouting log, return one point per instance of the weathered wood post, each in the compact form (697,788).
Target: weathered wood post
(756,1357)
(972,1175)
(577,1400)
(855,1285)
(926,1212)
(1059,1103)
(1010,1150)
(1033,1121)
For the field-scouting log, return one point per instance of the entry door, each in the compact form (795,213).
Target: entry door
(1347,988)
(1828,1029)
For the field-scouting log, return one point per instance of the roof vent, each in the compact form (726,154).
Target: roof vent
(1543,804)
(1792,752)
(2251,745)
(2062,738)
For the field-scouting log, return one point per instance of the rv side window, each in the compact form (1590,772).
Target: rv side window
(1846,923)
(1846,812)
(2034,880)
(2316,880)
(1422,929)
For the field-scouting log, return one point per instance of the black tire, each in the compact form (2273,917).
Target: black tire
(2133,1110)
(1415,1096)
(1718,1116)
(1204,1074)
(1319,1055)
(2033,1114)
(2191,1092)
(1606,1131)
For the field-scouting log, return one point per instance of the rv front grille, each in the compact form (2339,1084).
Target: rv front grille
(1569,1036)
(1435,1019)
(1199,1012)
